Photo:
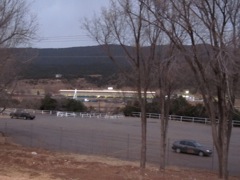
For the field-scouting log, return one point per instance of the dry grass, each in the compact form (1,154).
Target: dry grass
(20,163)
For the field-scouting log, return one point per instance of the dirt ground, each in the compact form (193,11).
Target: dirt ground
(21,163)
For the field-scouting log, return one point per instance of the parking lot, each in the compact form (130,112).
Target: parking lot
(118,137)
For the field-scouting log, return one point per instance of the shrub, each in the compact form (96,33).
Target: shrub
(130,108)
(73,105)
(48,103)
(178,106)
(64,104)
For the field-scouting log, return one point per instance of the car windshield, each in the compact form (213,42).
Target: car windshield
(197,144)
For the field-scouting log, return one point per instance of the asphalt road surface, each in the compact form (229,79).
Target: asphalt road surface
(120,138)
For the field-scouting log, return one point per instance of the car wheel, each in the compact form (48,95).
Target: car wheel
(178,150)
(200,153)
(25,118)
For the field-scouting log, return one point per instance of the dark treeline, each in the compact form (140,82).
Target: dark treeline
(79,62)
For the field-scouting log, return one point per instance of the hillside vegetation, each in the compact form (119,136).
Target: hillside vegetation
(73,62)
(91,63)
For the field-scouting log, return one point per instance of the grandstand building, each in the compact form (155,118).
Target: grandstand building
(109,94)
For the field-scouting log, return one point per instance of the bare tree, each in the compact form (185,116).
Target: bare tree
(207,34)
(123,24)
(17,27)
(167,68)
(162,68)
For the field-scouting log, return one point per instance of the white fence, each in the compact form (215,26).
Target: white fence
(235,123)
(68,114)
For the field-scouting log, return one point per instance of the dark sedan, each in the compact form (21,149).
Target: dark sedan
(192,147)
(22,114)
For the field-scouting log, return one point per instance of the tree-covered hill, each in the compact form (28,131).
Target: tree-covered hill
(73,62)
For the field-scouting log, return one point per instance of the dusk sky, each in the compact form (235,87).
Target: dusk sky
(60,21)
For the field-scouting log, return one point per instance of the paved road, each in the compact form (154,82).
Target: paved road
(118,138)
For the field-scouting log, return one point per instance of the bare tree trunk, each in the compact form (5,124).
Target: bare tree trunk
(165,103)
(144,138)
(163,120)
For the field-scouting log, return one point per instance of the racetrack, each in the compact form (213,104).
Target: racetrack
(118,138)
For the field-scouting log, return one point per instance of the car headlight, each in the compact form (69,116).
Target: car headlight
(208,151)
